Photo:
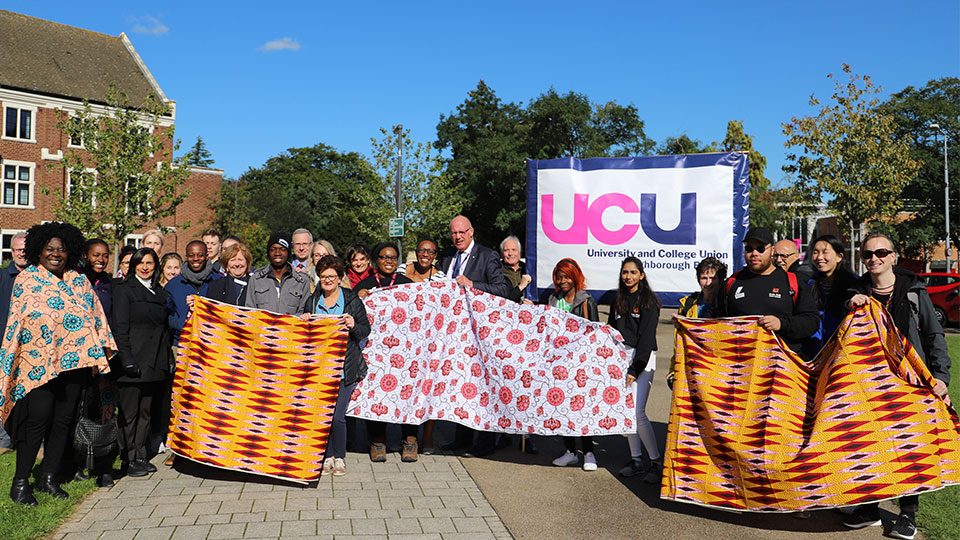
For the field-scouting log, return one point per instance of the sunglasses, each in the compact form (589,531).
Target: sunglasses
(750,249)
(880,253)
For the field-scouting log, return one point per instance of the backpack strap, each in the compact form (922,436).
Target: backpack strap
(729,285)
(794,286)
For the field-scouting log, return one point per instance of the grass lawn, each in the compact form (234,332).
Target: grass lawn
(24,523)
(939,518)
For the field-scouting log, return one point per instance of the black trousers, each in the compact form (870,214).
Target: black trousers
(486,440)
(377,431)
(909,504)
(46,413)
(135,402)
(585,442)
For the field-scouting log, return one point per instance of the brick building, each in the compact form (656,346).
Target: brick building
(49,67)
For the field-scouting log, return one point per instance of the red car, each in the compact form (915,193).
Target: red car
(944,289)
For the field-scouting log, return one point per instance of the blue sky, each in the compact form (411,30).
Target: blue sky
(256,78)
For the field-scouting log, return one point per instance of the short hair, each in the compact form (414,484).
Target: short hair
(153,232)
(715,264)
(138,257)
(331,261)
(210,232)
(375,252)
(302,231)
(88,245)
(232,251)
(39,236)
(126,250)
(328,246)
(515,239)
(198,242)
(355,248)
(233,237)
(572,270)
(21,234)
(873,235)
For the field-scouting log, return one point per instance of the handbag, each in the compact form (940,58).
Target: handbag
(92,437)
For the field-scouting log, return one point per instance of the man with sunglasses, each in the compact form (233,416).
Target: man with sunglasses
(906,298)
(782,301)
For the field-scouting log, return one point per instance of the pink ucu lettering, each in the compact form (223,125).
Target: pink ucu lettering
(588,217)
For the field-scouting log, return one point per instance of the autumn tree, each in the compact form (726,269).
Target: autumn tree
(123,178)
(850,153)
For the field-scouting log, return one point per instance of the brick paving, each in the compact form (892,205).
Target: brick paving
(434,498)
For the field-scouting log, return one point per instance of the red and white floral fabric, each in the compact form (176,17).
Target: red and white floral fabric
(441,351)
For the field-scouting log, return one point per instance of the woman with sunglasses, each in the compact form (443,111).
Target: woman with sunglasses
(897,289)
(385,275)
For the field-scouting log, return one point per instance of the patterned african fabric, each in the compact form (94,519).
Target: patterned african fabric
(441,351)
(752,427)
(254,391)
(54,325)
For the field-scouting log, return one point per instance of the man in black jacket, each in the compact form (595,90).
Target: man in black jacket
(784,304)
(473,265)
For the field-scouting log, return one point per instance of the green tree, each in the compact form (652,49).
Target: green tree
(338,196)
(913,110)
(850,152)
(198,156)
(683,144)
(429,199)
(484,138)
(763,201)
(123,178)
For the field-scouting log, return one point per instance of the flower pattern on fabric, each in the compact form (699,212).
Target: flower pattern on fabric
(17,290)
(48,332)
(490,364)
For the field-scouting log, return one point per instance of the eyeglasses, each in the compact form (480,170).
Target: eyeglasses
(880,253)
(388,258)
(427,251)
(782,255)
(329,279)
(750,249)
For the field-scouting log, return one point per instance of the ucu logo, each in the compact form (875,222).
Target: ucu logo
(588,217)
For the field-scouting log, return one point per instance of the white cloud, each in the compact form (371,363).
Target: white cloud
(280,45)
(150,25)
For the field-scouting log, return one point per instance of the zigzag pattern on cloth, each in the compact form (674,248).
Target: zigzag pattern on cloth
(755,428)
(255,391)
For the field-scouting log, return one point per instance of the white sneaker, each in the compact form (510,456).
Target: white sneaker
(589,462)
(339,467)
(327,466)
(567,459)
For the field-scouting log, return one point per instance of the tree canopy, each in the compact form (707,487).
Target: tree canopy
(198,156)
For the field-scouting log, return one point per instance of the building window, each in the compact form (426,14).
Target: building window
(18,123)
(73,180)
(135,240)
(75,140)
(17,184)
(6,246)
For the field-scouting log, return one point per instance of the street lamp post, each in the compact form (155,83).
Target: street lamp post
(946,193)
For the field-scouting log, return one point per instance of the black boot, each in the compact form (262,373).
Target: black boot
(48,484)
(22,493)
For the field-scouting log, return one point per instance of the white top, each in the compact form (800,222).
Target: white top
(464,259)
(146,284)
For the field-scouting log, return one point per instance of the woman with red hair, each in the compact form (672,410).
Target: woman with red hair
(570,295)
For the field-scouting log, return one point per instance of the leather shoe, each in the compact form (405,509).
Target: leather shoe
(479,452)
(150,467)
(456,445)
(21,492)
(136,469)
(48,484)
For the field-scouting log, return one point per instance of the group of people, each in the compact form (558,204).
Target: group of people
(66,312)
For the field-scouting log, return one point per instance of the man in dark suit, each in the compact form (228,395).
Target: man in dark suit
(473,265)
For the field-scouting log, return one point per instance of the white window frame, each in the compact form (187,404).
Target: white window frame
(33,122)
(74,118)
(93,203)
(137,240)
(12,233)
(33,183)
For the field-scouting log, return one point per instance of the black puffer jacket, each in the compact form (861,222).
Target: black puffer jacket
(354,366)
(924,332)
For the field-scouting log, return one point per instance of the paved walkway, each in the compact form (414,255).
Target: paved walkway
(434,498)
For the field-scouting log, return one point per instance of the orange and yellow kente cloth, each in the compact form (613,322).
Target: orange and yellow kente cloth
(755,428)
(255,391)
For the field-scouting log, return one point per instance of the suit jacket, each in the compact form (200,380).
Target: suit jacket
(140,330)
(483,268)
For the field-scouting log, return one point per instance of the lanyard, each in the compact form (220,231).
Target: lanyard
(393,278)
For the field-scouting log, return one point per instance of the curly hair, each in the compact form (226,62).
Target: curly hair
(39,236)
